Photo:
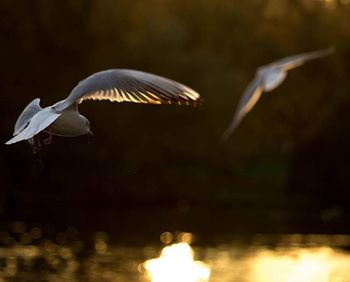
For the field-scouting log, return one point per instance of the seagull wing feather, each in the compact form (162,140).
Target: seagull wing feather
(123,85)
(23,120)
(249,98)
(38,123)
(292,62)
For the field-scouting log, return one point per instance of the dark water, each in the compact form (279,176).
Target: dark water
(26,255)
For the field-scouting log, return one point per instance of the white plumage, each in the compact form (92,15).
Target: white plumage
(117,85)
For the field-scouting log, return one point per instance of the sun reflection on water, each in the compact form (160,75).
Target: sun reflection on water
(30,254)
(176,263)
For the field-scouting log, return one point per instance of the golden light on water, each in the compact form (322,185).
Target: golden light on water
(301,265)
(284,264)
(26,254)
(176,263)
(345,2)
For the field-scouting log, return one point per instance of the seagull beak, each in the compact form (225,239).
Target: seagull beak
(91,132)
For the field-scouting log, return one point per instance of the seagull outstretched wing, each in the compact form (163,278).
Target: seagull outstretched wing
(292,62)
(249,98)
(123,85)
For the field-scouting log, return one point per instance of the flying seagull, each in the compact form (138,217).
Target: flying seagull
(266,79)
(116,85)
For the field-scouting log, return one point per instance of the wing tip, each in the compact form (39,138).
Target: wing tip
(11,141)
(193,97)
(227,134)
(16,139)
(330,50)
(325,52)
(193,103)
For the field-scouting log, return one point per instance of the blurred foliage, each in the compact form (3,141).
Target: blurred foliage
(149,156)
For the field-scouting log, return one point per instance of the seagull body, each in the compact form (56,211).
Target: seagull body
(117,85)
(268,78)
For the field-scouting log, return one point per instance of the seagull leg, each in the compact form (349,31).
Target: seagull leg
(48,140)
(35,144)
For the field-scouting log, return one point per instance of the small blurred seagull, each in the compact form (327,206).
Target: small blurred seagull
(116,85)
(266,79)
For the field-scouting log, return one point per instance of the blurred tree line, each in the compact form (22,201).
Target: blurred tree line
(287,162)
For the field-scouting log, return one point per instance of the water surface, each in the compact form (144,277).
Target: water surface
(27,256)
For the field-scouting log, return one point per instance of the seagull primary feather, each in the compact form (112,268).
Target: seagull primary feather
(266,79)
(116,85)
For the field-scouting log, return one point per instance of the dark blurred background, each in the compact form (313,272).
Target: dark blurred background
(155,168)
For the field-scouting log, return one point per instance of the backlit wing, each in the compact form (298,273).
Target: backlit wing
(122,85)
(292,62)
(249,98)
